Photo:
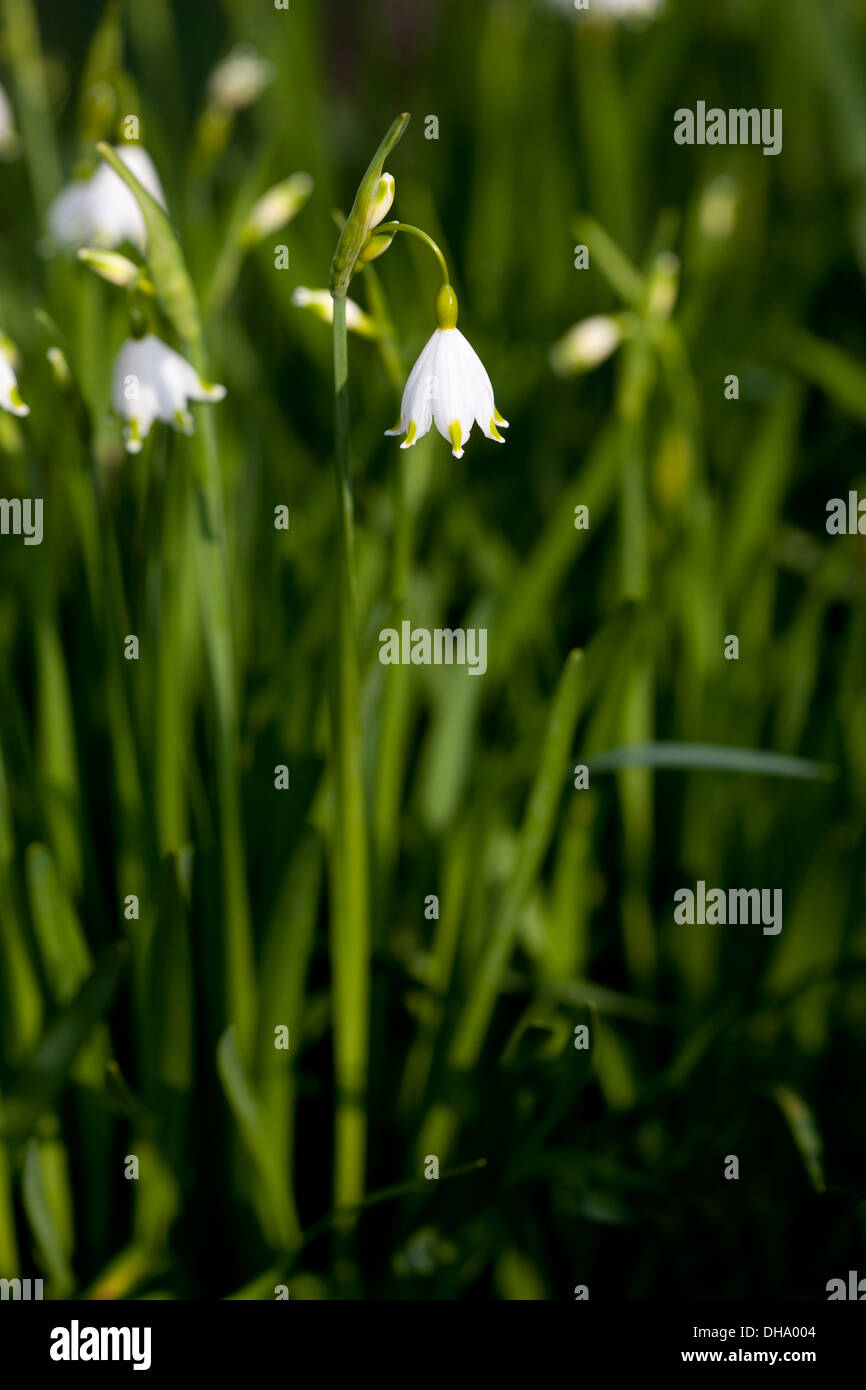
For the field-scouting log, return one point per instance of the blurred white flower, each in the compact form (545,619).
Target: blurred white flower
(8,133)
(448,387)
(275,208)
(152,382)
(320,303)
(586,345)
(101,211)
(240,78)
(612,9)
(10,396)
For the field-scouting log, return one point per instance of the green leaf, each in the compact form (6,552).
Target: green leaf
(46,1219)
(276,1209)
(535,835)
(171,985)
(805,1133)
(710,757)
(840,376)
(63,948)
(164,257)
(52,1061)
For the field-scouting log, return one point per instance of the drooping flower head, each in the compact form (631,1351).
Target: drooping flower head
(100,210)
(10,396)
(153,382)
(448,387)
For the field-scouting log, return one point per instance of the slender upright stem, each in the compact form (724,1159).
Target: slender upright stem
(350,915)
(24,51)
(213,569)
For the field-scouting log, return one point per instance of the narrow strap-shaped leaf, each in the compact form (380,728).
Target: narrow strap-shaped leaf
(710,757)
(167,266)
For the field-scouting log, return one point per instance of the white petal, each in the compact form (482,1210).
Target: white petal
(69,215)
(139,162)
(151,381)
(454,403)
(448,386)
(132,393)
(101,211)
(417,405)
(10,396)
(8,135)
(7,120)
(178,382)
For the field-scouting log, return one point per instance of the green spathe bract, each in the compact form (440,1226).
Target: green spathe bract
(357,226)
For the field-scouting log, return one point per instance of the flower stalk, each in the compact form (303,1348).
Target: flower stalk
(350,873)
(350,927)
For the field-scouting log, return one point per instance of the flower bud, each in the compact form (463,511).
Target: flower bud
(110,266)
(240,78)
(384,199)
(586,345)
(60,367)
(370,203)
(275,208)
(719,207)
(663,285)
(320,303)
(375,247)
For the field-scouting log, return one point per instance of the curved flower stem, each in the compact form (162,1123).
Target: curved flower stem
(350,914)
(385,227)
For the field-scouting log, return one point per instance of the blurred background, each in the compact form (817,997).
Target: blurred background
(152,1036)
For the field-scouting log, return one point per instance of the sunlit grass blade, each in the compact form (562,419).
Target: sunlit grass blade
(535,834)
(273,1200)
(805,1133)
(49,1067)
(708,757)
(47,1209)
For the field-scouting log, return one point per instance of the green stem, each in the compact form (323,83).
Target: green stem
(385,227)
(213,565)
(350,915)
(24,50)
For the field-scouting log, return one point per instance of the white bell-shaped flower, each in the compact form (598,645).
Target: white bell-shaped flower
(153,382)
(448,387)
(101,211)
(10,396)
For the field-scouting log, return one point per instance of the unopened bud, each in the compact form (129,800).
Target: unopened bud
(240,78)
(375,247)
(60,367)
(719,208)
(110,266)
(275,208)
(384,199)
(586,345)
(320,303)
(664,285)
